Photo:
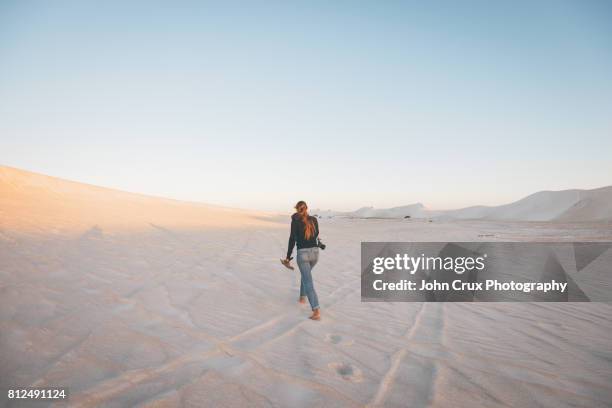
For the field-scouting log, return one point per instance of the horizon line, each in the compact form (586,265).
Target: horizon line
(162,197)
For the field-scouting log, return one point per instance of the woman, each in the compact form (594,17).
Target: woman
(305,232)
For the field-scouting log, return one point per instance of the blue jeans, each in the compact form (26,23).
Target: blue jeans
(306,259)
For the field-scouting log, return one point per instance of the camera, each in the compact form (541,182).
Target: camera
(320,244)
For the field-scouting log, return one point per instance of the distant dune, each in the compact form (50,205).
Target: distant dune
(417,210)
(34,202)
(564,206)
(593,205)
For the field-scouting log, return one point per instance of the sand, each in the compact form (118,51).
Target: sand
(165,309)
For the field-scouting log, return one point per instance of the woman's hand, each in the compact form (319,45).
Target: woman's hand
(286,263)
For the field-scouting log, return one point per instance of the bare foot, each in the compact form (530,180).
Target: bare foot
(316,315)
(302,299)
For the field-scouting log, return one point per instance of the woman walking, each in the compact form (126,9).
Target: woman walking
(305,232)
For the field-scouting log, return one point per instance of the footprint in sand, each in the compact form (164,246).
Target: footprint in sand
(337,339)
(347,371)
(334,338)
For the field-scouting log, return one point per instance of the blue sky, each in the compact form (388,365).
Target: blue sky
(342,104)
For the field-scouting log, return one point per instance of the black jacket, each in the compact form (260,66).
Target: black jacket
(297,234)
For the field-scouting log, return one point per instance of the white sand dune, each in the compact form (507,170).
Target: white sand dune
(185,307)
(413,210)
(31,202)
(593,205)
(416,210)
(566,206)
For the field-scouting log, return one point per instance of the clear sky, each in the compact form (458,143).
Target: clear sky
(342,104)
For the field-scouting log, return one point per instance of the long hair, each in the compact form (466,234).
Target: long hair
(302,210)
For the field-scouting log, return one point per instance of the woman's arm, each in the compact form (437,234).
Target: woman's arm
(291,238)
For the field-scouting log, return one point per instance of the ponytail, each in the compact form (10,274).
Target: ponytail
(309,228)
